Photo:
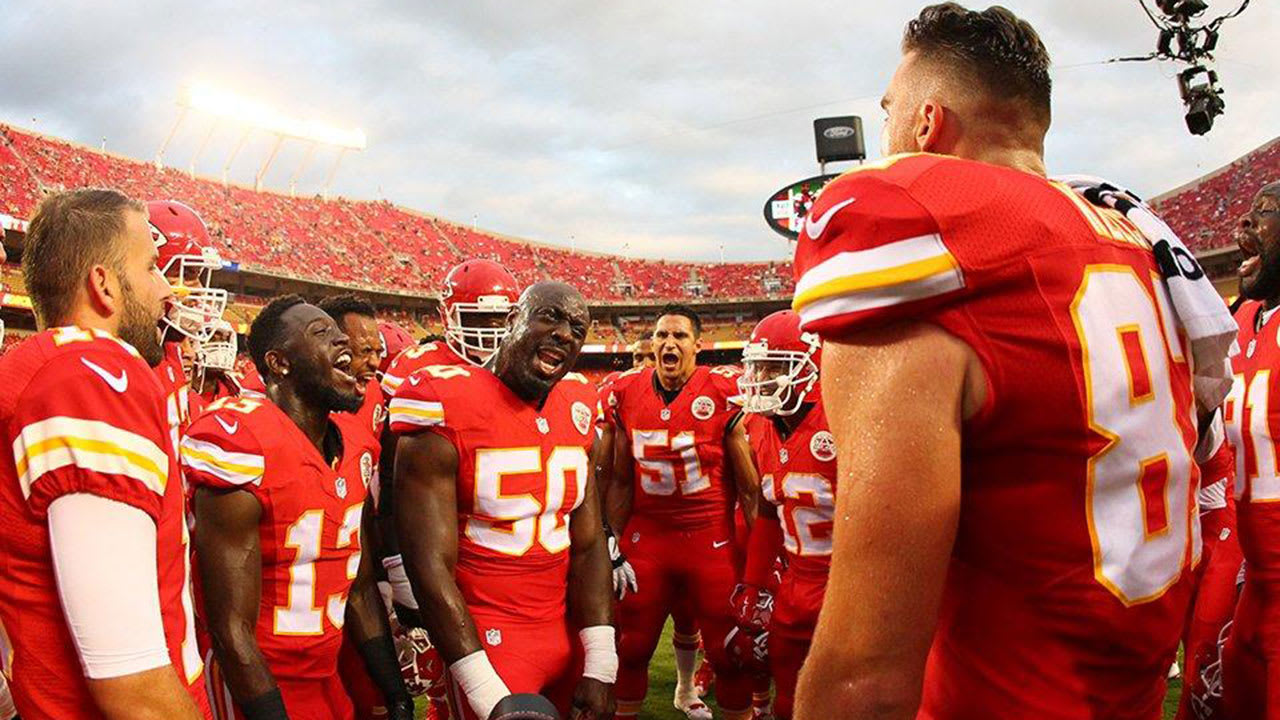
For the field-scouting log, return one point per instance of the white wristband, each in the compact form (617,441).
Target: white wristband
(479,682)
(401,590)
(601,661)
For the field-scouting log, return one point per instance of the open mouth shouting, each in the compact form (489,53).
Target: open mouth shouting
(549,359)
(669,360)
(1252,251)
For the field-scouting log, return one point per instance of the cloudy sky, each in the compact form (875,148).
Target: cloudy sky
(654,129)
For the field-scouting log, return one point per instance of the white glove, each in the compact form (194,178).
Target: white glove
(624,576)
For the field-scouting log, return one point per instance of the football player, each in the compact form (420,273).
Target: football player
(187,259)
(1216,591)
(499,520)
(685,639)
(642,354)
(279,497)
(95,605)
(1251,658)
(1010,392)
(358,320)
(796,457)
(680,462)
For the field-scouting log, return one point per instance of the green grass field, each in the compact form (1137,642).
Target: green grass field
(662,684)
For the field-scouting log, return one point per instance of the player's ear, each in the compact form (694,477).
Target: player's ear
(103,289)
(277,363)
(512,314)
(930,117)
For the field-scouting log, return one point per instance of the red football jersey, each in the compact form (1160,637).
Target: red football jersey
(82,413)
(373,409)
(678,448)
(1070,576)
(798,476)
(1251,414)
(251,385)
(179,406)
(414,358)
(521,473)
(310,528)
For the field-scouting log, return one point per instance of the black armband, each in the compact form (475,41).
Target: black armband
(379,655)
(267,706)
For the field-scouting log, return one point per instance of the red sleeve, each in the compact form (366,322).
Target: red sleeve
(419,405)
(763,548)
(221,452)
(93,422)
(868,254)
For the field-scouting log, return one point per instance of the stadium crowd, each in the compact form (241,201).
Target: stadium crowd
(1001,425)
(348,242)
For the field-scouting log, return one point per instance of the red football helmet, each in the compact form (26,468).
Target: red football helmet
(420,664)
(187,259)
(780,365)
(394,340)
(478,287)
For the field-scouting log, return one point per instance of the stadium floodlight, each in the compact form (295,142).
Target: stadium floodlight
(247,111)
(254,115)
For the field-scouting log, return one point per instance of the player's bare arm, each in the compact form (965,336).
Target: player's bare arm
(427,525)
(895,519)
(366,624)
(742,466)
(227,542)
(159,690)
(619,484)
(590,601)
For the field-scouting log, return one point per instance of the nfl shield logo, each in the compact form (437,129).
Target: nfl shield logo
(340,486)
(493,636)
(783,456)
(543,426)
(665,414)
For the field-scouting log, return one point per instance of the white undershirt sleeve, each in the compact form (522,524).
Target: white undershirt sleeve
(104,561)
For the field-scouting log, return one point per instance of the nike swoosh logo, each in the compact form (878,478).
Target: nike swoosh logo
(718,545)
(414,380)
(119,384)
(815,228)
(231,429)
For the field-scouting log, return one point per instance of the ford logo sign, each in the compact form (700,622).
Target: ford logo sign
(838,132)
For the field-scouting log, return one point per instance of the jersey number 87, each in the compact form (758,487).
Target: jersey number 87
(1137,503)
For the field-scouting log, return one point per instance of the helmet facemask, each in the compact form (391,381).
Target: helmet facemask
(476,343)
(196,306)
(776,382)
(218,352)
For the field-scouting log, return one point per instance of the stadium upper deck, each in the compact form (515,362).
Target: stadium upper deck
(355,243)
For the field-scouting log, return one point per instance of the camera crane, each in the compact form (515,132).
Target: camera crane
(1181,40)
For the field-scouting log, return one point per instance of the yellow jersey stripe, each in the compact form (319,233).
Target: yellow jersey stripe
(856,282)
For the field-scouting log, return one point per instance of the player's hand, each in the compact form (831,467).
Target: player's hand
(624,576)
(592,700)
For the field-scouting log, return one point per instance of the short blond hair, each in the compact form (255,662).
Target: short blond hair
(71,232)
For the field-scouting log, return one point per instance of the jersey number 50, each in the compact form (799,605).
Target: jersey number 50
(511,522)
(1137,501)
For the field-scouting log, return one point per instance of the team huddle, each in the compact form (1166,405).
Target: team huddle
(988,467)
